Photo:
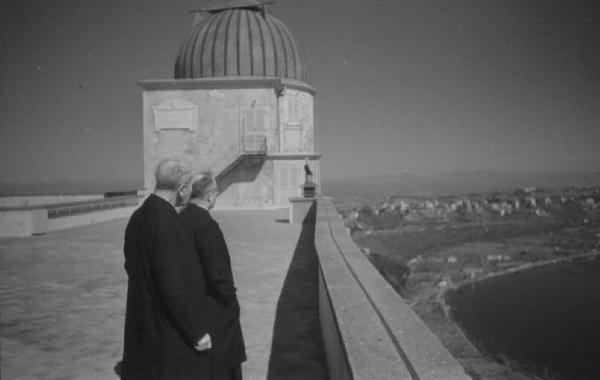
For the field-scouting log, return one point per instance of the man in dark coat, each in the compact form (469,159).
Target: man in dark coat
(228,350)
(166,322)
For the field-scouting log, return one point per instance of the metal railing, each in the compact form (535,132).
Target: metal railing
(254,145)
(245,146)
(75,208)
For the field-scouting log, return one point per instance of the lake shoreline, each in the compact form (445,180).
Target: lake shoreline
(427,246)
(443,303)
(441,297)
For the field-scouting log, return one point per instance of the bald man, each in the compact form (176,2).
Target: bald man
(166,323)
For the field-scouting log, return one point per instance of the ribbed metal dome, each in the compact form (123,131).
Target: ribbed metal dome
(240,42)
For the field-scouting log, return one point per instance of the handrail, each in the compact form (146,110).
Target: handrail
(58,205)
(254,145)
(245,146)
(75,208)
(230,155)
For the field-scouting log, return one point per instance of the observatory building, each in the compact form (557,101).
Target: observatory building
(238,105)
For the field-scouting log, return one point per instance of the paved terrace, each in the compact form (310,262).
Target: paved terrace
(62,300)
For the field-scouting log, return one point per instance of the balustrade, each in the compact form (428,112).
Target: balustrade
(251,145)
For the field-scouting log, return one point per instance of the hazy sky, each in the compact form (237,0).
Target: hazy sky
(402,85)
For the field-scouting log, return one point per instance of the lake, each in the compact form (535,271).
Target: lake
(546,320)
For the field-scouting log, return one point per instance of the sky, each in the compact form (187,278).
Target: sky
(403,86)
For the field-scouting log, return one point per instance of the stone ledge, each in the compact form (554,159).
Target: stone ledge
(232,82)
(299,209)
(23,222)
(38,219)
(379,333)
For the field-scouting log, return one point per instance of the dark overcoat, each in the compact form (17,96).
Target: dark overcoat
(228,348)
(166,310)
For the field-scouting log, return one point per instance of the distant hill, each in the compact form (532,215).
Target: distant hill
(454,183)
(366,186)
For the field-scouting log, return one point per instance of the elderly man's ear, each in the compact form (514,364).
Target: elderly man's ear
(183,194)
(212,199)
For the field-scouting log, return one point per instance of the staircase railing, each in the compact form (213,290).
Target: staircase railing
(254,145)
(245,146)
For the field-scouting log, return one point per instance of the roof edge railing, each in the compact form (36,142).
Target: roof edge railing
(245,146)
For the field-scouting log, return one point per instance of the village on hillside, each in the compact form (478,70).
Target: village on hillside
(463,237)
(573,215)
(425,247)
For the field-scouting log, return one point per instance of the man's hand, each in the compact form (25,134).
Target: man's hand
(204,343)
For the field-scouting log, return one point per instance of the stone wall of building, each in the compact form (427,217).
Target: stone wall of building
(203,125)
(200,125)
(296,121)
(248,185)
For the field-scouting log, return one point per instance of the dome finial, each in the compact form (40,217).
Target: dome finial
(220,5)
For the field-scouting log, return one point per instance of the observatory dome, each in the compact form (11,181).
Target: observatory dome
(244,41)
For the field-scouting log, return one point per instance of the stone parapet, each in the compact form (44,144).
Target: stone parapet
(27,201)
(22,222)
(299,209)
(369,331)
(38,219)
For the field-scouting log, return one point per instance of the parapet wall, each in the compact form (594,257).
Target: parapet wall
(37,200)
(369,332)
(38,219)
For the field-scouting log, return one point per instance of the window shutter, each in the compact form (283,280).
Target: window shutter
(248,121)
(260,120)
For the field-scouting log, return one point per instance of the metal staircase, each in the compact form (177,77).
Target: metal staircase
(244,147)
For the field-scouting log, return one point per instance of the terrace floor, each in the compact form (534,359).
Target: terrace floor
(62,300)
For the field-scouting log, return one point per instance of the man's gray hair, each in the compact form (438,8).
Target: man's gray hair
(201,185)
(171,173)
